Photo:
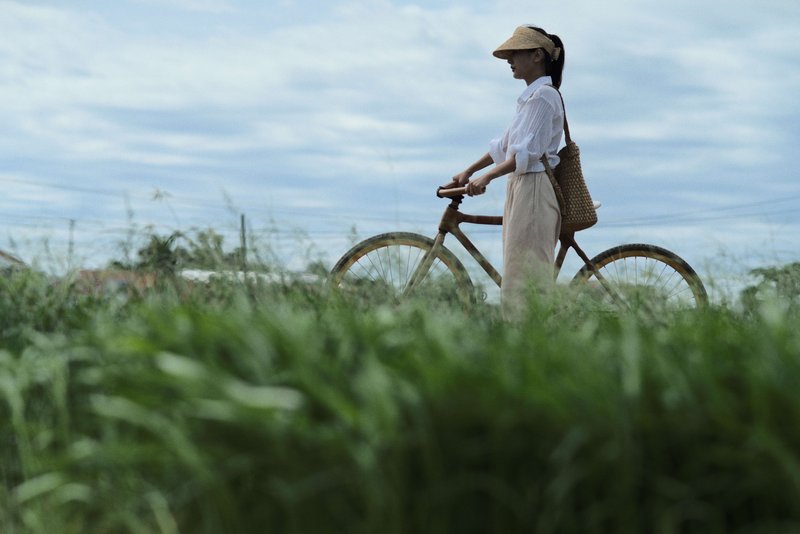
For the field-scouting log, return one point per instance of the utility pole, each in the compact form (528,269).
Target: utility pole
(71,244)
(243,244)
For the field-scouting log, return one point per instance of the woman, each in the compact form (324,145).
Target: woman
(531,218)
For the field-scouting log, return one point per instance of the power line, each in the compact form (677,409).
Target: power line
(196,203)
(74,188)
(672,216)
(665,220)
(313,213)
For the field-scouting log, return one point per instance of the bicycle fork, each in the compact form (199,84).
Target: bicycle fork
(424,266)
(447,224)
(567,242)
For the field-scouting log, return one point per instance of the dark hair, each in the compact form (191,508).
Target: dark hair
(554,68)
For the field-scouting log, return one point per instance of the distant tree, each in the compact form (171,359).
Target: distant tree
(203,252)
(159,255)
(168,254)
(781,282)
(206,251)
(318,268)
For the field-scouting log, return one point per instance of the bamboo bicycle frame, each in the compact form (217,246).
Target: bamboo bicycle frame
(452,218)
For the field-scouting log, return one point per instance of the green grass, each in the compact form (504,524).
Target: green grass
(256,408)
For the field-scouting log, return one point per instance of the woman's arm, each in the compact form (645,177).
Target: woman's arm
(532,132)
(463,177)
(478,185)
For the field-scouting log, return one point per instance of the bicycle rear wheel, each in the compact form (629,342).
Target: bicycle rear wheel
(646,275)
(380,269)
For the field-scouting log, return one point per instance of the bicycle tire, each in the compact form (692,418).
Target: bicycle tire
(379,268)
(646,274)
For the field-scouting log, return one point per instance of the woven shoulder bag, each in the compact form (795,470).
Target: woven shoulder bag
(577,209)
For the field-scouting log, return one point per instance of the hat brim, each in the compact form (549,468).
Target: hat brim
(524,38)
(506,53)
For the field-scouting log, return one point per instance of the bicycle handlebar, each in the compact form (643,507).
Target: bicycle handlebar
(449,192)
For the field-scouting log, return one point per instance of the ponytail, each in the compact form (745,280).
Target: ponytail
(554,68)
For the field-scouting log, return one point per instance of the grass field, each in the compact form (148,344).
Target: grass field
(245,407)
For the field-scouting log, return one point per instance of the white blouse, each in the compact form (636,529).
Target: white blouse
(536,129)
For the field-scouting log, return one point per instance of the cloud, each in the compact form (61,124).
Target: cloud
(350,106)
(205,6)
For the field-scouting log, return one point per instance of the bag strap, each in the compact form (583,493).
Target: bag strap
(556,187)
(568,138)
(548,169)
(564,109)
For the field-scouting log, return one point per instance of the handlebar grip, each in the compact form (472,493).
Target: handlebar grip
(441,192)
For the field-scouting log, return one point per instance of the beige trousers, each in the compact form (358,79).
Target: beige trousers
(531,225)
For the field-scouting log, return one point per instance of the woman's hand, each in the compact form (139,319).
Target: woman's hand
(462,178)
(458,180)
(478,185)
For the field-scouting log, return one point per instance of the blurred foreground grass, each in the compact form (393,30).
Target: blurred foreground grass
(280,408)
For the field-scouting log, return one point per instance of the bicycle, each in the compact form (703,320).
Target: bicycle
(397,264)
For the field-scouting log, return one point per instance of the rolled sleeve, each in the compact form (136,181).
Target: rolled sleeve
(498,148)
(535,131)
(521,152)
(538,122)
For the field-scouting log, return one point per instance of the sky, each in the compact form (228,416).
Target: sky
(327,121)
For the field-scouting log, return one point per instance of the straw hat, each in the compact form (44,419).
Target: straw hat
(525,38)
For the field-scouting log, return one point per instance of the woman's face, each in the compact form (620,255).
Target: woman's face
(527,64)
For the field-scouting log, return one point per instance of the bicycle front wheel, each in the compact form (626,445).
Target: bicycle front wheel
(380,270)
(645,275)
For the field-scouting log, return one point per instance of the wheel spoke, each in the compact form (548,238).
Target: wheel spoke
(382,267)
(647,275)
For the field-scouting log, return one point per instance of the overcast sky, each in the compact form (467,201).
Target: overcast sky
(316,117)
